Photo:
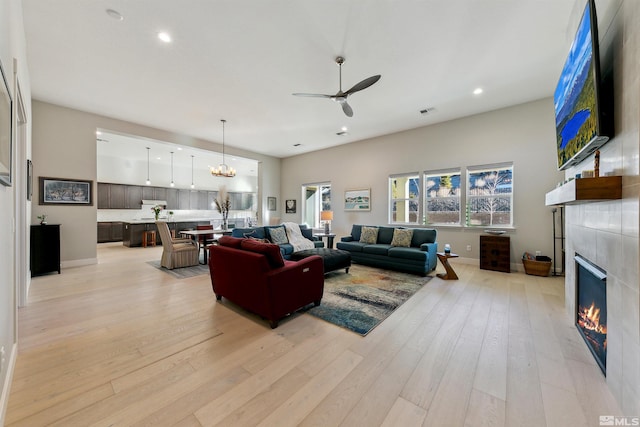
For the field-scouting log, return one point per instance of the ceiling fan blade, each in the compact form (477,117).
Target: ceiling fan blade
(347,109)
(313,95)
(363,84)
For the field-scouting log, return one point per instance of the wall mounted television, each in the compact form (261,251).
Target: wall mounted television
(582,100)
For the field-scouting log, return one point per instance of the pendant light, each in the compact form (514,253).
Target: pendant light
(192,185)
(172,184)
(148,180)
(223,170)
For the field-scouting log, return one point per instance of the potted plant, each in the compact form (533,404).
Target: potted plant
(43,219)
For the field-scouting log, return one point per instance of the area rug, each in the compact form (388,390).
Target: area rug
(362,299)
(184,272)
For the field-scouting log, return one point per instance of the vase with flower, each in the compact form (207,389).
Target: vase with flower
(223,205)
(156,211)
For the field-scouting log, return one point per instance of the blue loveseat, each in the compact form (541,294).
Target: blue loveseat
(264,233)
(419,256)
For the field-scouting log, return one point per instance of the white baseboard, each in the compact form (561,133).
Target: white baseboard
(6,387)
(78,262)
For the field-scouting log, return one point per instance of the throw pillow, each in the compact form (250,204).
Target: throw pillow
(271,251)
(402,237)
(369,235)
(278,235)
(257,239)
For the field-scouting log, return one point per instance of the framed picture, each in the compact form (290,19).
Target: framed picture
(6,123)
(29,179)
(59,191)
(357,200)
(290,206)
(271,203)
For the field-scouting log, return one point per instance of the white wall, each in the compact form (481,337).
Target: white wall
(523,134)
(64,146)
(12,46)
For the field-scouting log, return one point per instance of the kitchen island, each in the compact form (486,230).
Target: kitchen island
(132,230)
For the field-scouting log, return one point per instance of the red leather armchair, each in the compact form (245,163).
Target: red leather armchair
(254,276)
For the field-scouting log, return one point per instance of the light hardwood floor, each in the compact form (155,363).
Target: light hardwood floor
(122,343)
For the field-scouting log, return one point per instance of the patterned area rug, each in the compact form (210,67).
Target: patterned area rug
(362,299)
(182,273)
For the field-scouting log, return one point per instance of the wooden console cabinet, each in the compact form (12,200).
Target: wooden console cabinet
(45,249)
(495,253)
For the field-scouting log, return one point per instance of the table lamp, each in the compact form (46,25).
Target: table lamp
(326,216)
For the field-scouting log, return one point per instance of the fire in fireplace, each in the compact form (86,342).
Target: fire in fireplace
(591,308)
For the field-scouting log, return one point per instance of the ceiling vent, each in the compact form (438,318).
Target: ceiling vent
(427,110)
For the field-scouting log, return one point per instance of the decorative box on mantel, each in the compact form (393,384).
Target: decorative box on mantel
(586,190)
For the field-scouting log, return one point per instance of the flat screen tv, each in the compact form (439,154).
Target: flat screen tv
(582,102)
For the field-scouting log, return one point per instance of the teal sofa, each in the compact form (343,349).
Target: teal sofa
(263,233)
(419,258)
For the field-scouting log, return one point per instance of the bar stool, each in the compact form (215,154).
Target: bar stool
(148,238)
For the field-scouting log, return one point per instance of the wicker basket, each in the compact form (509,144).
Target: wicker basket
(537,268)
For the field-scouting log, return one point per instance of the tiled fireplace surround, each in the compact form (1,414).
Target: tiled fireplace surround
(596,231)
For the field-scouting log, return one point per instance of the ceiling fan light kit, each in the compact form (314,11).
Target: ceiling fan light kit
(341,97)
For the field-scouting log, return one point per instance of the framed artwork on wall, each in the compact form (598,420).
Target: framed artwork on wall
(60,191)
(271,203)
(6,131)
(290,206)
(357,200)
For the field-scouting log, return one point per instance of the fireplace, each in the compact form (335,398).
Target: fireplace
(591,308)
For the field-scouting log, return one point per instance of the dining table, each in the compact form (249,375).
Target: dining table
(195,235)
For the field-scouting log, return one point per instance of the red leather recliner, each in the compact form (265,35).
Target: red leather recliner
(254,276)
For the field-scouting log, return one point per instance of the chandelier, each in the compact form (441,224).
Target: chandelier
(223,170)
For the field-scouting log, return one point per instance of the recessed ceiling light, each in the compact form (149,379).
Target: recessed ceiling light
(477,91)
(344,128)
(115,14)
(427,110)
(98,133)
(297,144)
(165,37)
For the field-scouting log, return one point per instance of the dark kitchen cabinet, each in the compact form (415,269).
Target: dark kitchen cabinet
(172,199)
(45,249)
(117,196)
(109,232)
(147,193)
(103,195)
(133,197)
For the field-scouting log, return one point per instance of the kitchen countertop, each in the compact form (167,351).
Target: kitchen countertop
(152,221)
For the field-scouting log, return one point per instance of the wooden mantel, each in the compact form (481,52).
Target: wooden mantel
(586,190)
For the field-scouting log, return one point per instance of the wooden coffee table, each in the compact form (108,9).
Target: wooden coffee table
(444,259)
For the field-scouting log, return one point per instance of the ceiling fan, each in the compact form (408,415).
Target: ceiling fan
(341,97)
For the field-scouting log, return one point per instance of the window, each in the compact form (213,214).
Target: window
(405,199)
(490,195)
(442,197)
(316,198)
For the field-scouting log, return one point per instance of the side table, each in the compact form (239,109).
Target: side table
(329,237)
(444,260)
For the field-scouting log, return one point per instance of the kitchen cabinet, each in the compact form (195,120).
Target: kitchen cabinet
(103,195)
(110,231)
(117,196)
(45,249)
(133,199)
(184,197)
(172,199)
